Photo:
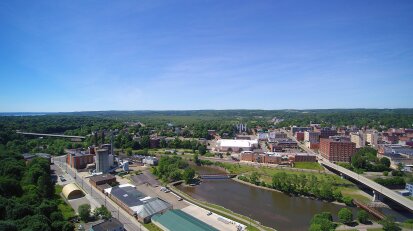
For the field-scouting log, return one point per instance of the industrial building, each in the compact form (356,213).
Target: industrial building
(78,159)
(103,179)
(177,220)
(227,145)
(136,203)
(337,150)
(102,160)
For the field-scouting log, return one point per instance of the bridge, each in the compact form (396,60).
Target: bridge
(377,188)
(216,176)
(50,135)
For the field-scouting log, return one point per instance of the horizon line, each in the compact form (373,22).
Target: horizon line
(238,109)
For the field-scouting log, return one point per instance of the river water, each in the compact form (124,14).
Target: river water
(271,208)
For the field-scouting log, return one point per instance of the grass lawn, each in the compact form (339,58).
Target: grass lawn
(407,225)
(378,229)
(354,193)
(152,227)
(66,210)
(269,171)
(308,165)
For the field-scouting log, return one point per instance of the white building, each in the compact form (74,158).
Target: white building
(358,139)
(372,138)
(226,145)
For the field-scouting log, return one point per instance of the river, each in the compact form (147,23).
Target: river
(273,209)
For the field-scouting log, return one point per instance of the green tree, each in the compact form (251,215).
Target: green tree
(129,151)
(322,222)
(385,161)
(362,216)
(145,142)
(188,175)
(345,216)
(389,224)
(68,226)
(202,150)
(255,178)
(102,212)
(84,212)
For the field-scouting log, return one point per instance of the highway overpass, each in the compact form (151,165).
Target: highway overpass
(50,135)
(377,188)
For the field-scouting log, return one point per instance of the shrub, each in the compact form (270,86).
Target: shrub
(362,216)
(345,215)
(348,200)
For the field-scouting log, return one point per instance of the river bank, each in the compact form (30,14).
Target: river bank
(275,190)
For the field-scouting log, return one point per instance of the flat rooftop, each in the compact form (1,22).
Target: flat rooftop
(177,220)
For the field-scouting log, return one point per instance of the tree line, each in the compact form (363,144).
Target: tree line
(27,198)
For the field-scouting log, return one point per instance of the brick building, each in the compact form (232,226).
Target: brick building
(299,136)
(102,179)
(305,157)
(79,160)
(337,150)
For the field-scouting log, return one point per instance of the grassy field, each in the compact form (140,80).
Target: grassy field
(66,210)
(268,172)
(354,192)
(308,165)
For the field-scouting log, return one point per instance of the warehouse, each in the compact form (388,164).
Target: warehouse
(136,203)
(176,220)
(227,145)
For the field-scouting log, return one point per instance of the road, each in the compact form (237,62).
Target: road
(50,135)
(129,222)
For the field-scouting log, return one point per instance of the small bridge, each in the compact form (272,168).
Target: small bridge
(373,211)
(216,176)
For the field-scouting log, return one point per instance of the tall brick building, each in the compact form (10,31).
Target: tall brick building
(337,150)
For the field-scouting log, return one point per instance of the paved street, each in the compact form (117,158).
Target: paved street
(130,223)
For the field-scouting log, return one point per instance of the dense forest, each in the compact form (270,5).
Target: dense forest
(27,197)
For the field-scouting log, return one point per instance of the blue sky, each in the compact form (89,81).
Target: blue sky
(161,55)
